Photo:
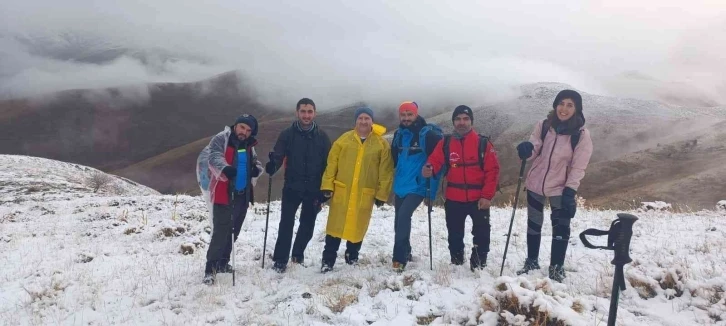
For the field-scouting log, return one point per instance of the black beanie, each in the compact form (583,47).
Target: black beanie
(250,121)
(462,109)
(574,96)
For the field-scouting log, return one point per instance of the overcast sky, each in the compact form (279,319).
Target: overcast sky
(435,52)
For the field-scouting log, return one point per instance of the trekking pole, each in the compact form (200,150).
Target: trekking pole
(514,210)
(267,219)
(428,198)
(619,235)
(233,253)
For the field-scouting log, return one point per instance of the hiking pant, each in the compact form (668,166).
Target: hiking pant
(225,218)
(291,200)
(560,227)
(330,253)
(456,213)
(402,226)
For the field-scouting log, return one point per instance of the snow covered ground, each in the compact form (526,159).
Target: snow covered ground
(96,260)
(74,254)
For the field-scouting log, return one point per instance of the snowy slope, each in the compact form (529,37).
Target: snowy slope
(98,260)
(33,178)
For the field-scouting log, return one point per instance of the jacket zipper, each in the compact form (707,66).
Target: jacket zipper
(463,163)
(549,163)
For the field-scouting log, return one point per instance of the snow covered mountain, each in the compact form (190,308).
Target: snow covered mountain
(74,257)
(27,178)
(643,150)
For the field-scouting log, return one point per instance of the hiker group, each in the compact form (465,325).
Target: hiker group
(360,169)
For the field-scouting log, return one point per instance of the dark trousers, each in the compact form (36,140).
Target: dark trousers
(402,226)
(456,213)
(560,227)
(291,200)
(225,218)
(330,253)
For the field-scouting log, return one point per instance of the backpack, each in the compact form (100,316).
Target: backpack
(574,138)
(396,143)
(483,140)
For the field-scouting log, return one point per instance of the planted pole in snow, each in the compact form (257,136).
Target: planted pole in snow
(428,198)
(619,235)
(267,219)
(514,210)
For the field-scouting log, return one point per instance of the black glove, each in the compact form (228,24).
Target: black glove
(230,172)
(325,196)
(524,149)
(255,172)
(270,168)
(569,206)
(379,203)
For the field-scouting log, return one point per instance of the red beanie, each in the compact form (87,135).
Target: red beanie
(408,106)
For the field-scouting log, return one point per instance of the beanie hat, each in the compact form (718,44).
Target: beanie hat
(408,106)
(362,110)
(250,121)
(462,109)
(574,96)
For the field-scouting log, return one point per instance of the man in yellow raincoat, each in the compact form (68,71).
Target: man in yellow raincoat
(359,174)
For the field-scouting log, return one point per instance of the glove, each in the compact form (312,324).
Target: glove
(270,168)
(524,149)
(325,196)
(569,206)
(379,203)
(229,172)
(255,172)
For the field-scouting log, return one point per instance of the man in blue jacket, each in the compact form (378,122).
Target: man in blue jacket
(412,143)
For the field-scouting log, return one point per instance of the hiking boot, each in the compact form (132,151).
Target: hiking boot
(557,273)
(457,258)
(325,268)
(478,263)
(398,267)
(208,279)
(529,264)
(296,260)
(225,269)
(279,267)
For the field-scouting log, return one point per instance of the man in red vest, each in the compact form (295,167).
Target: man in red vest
(227,169)
(472,178)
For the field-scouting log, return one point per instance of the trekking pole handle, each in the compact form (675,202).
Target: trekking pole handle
(622,239)
(521,169)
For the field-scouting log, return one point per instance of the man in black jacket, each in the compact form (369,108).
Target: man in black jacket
(303,149)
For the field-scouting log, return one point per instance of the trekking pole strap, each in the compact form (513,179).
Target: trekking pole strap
(593,232)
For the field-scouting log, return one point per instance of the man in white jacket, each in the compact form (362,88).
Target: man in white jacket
(227,170)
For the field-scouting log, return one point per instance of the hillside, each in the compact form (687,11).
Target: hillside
(26,178)
(643,150)
(99,259)
(113,128)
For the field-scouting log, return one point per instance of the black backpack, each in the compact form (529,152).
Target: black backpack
(574,138)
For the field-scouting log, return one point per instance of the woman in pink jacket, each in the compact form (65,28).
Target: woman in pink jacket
(559,148)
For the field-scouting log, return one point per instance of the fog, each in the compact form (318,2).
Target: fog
(382,52)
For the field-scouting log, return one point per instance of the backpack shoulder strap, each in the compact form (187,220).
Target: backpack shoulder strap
(483,140)
(574,139)
(545,128)
(445,148)
(396,139)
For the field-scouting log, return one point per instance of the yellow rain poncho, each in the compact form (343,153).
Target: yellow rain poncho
(357,173)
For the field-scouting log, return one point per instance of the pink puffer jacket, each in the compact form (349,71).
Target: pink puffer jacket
(554,165)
